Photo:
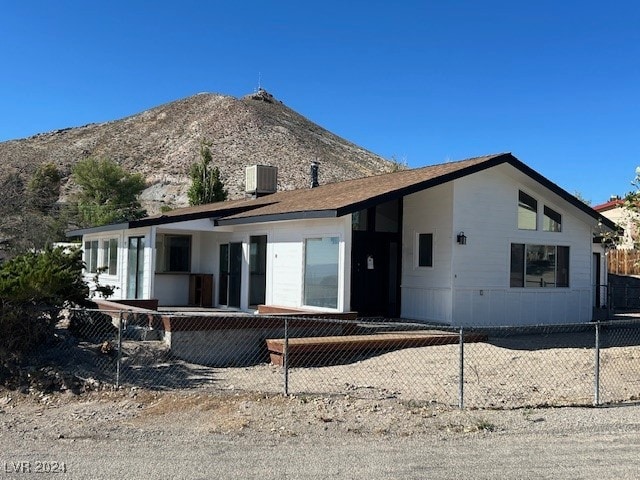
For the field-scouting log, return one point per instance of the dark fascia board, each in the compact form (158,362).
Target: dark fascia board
(103,228)
(275,217)
(162,220)
(213,215)
(165,219)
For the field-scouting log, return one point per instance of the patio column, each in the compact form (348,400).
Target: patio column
(152,261)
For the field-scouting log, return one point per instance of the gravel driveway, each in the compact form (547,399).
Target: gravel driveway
(139,434)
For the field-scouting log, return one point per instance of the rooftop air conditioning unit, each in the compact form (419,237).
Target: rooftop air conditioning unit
(261,180)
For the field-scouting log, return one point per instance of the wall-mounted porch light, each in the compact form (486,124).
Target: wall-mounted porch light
(461,238)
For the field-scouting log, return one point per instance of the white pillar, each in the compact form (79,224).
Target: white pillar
(152,261)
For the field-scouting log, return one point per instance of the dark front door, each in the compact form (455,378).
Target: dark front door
(374,274)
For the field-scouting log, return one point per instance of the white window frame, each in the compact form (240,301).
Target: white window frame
(322,236)
(545,217)
(106,257)
(163,253)
(91,255)
(536,211)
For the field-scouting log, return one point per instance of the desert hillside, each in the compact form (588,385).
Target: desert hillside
(162,143)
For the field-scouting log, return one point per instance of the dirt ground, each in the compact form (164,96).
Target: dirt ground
(134,433)
(386,416)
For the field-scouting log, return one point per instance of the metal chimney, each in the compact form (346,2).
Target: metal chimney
(314,173)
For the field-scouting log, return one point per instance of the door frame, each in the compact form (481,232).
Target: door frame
(383,240)
(229,278)
(138,287)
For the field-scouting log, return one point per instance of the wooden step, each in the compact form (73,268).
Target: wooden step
(344,349)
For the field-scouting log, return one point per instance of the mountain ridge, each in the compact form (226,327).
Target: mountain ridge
(162,142)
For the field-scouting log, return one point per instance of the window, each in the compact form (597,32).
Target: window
(552,220)
(110,260)
(527,212)
(91,256)
(223,280)
(387,217)
(321,272)
(359,221)
(384,217)
(173,253)
(425,249)
(517,265)
(257,269)
(541,266)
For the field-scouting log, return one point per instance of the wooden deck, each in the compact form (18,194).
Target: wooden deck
(317,351)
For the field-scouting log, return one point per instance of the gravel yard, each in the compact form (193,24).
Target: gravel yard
(135,433)
(392,415)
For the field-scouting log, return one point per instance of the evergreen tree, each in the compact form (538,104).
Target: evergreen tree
(108,194)
(206,185)
(43,189)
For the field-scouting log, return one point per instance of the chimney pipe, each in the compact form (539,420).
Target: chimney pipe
(314,174)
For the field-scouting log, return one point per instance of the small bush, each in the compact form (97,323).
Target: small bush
(91,325)
(34,287)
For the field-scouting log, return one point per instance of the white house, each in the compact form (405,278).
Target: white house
(483,241)
(627,220)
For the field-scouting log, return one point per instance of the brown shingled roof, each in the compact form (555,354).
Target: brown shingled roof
(342,198)
(337,199)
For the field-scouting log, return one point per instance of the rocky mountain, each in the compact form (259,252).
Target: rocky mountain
(162,143)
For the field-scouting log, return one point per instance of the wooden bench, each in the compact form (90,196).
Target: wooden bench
(317,351)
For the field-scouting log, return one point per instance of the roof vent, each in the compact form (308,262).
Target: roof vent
(261,180)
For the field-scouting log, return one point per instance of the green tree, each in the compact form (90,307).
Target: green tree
(581,197)
(108,194)
(30,215)
(52,277)
(11,208)
(34,287)
(43,189)
(632,207)
(45,219)
(206,185)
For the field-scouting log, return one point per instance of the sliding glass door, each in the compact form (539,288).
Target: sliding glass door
(230,282)
(135,269)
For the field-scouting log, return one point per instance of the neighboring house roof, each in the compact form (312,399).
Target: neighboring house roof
(610,205)
(625,218)
(342,198)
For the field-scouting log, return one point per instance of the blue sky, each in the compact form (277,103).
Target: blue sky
(556,83)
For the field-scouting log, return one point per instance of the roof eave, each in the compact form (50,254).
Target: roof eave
(102,228)
(278,217)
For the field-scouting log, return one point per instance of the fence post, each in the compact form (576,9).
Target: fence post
(285,356)
(119,357)
(461,372)
(596,399)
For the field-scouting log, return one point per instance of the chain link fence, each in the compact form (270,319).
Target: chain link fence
(501,367)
